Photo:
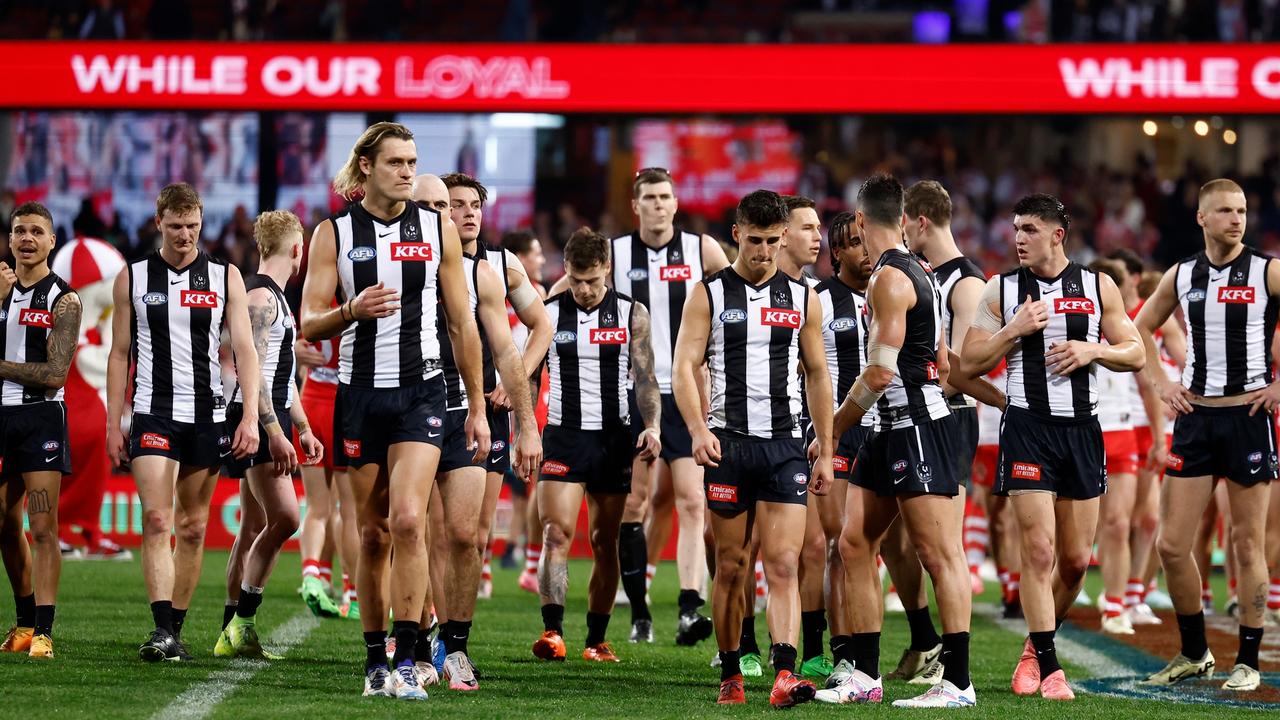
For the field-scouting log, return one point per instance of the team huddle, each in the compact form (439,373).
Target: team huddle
(811,429)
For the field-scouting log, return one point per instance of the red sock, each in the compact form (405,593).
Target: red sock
(310,568)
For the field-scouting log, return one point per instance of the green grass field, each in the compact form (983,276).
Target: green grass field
(103,616)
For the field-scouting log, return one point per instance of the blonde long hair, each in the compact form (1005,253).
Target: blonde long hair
(350,180)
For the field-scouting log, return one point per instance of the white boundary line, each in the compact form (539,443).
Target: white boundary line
(1098,664)
(200,700)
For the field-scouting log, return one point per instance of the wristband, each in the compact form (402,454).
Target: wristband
(273,428)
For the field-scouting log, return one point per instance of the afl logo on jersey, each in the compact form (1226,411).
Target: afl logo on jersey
(638,274)
(155,298)
(362,253)
(842,324)
(565,336)
(1195,295)
(51,445)
(733,315)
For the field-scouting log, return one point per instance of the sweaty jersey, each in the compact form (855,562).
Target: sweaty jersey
(27,317)
(844,337)
(1231,316)
(660,279)
(754,350)
(455,389)
(404,253)
(588,362)
(914,396)
(178,316)
(948,275)
(278,364)
(1074,303)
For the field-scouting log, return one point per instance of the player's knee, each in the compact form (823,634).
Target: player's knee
(604,545)
(156,522)
(555,536)
(853,548)
(1038,550)
(1248,548)
(691,506)
(780,569)
(44,533)
(1114,527)
(1171,549)
(190,531)
(375,540)
(934,560)
(1147,523)
(814,552)
(284,524)
(406,526)
(1073,565)
(731,567)
(462,537)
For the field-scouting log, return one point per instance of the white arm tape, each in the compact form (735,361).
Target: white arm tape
(886,356)
(523,296)
(983,317)
(863,396)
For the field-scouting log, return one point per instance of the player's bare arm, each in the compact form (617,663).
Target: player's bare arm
(527,302)
(817,384)
(890,295)
(1123,350)
(691,346)
(321,321)
(648,397)
(311,447)
(248,370)
(262,313)
(463,334)
(493,318)
(965,297)
(62,348)
(118,367)
(713,258)
(1154,313)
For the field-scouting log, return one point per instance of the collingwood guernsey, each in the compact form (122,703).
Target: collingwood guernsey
(589,361)
(754,348)
(1074,306)
(27,314)
(844,337)
(660,279)
(914,396)
(278,365)
(1231,316)
(948,274)
(403,253)
(177,329)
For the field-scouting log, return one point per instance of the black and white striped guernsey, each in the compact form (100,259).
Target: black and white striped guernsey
(844,335)
(914,396)
(589,361)
(660,279)
(27,314)
(1231,316)
(279,364)
(754,350)
(177,332)
(455,389)
(403,253)
(1074,304)
(948,274)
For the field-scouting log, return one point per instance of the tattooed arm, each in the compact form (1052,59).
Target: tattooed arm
(262,313)
(62,348)
(648,396)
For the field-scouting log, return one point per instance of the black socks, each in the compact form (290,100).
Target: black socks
(633,556)
(1046,653)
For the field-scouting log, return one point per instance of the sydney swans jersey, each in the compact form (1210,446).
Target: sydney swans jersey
(404,254)
(177,330)
(588,362)
(1231,316)
(27,314)
(660,279)
(844,337)
(1074,304)
(754,350)
(278,364)
(914,396)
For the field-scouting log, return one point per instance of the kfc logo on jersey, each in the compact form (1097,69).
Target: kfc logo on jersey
(722,493)
(199,299)
(35,318)
(154,441)
(554,467)
(1073,306)
(1236,295)
(1026,471)
(675,273)
(775,317)
(608,336)
(411,252)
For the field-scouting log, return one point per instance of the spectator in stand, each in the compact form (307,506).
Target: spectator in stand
(103,21)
